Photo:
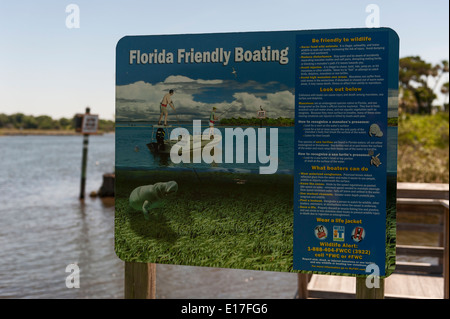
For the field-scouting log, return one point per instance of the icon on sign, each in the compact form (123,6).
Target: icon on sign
(321,232)
(338,233)
(358,234)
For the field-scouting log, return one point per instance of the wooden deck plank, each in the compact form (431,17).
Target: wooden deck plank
(426,286)
(422,190)
(396,286)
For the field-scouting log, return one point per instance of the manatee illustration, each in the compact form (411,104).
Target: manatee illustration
(375,130)
(148,197)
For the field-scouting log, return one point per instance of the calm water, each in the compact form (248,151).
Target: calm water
(43,225)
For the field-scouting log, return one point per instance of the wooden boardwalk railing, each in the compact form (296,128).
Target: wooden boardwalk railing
(423,207)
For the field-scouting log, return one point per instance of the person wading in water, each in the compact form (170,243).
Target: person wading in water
(167,100)
(212,120)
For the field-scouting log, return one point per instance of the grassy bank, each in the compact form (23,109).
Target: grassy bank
(423,148)
(25,132)
(22,124)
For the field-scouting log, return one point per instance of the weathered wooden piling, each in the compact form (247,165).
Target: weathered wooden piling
(84,161)
(140,280)
(107,188)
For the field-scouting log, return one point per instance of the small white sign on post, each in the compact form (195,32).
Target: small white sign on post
(261,115)
(90,124)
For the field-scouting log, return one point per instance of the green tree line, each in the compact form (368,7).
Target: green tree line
(45,122)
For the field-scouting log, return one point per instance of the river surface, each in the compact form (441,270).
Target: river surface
(44,227)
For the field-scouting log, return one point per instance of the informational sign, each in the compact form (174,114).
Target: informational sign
(201,182)
(261,114)
(345,121)
(89,124)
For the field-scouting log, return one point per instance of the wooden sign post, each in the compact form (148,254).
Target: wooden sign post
(140,280)
(363,292)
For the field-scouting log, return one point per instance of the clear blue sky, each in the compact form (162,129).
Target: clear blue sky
(47,68)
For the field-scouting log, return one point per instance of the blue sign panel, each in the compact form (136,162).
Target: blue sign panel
(345,80)
(269,151)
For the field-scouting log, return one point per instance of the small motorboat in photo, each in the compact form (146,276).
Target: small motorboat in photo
(161,143)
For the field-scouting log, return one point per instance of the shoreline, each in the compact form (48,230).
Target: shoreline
(33,132)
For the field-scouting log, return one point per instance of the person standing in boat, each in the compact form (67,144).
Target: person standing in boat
(167,100)
(212,119)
